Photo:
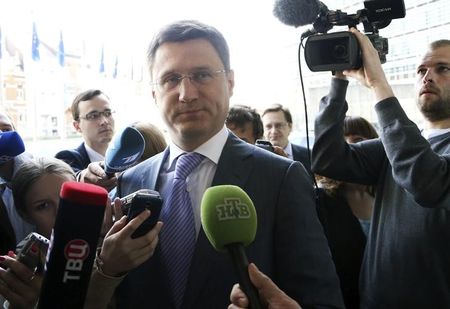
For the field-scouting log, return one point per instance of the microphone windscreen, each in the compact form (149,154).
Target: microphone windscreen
(11,145)
(297,12)
(124,151)
(228,216)
(73,245)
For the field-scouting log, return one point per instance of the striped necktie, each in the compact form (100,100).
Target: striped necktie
(178,236)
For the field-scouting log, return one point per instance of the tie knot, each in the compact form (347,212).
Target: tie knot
(186,163)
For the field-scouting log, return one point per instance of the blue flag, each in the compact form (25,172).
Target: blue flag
(61,50)
(115,67)
(102,63)
(35,45)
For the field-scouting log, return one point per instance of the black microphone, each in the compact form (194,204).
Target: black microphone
(298,12)
(11,145)
(229,220)
(124,151)
(73,245)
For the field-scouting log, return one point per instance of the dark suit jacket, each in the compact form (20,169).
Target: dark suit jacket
(77,158)
(346,240)
(289,246)
(301,155)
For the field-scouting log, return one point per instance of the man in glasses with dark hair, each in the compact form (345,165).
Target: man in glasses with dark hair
(93,118)
(277,122)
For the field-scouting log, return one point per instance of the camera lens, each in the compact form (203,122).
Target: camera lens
(340,51)
(332,52)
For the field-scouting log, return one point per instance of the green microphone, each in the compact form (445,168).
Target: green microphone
(229,221)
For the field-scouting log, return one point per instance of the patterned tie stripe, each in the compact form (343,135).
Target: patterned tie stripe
(178,236)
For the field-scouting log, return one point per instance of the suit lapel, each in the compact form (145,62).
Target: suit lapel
(149,174)
(84,155)
(233,168)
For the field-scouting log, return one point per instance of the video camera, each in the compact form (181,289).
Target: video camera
(340,50)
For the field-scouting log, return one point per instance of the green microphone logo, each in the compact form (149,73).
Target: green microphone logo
(232,209)
(228,216)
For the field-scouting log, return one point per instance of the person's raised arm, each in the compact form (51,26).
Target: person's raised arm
(371,73)
(119,254)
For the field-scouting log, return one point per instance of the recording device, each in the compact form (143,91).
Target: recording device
(124,151)
(229,220)
(135,203)
(31,251)
(264,144)
(11,145)
(338,51)
(73,245)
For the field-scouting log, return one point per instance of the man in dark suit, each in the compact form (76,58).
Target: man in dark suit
(277,122)
(192,84)
(93,118)
(77,158)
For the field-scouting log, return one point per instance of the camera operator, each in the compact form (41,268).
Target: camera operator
(406,263)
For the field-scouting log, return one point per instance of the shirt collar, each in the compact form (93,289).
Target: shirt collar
(93,155)
(288,150)
(429,133)
(211,149)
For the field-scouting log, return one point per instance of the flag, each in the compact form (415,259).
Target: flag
(1,44)
(35,45)
(61,50)
(115,67)
(132,70)
(102,63)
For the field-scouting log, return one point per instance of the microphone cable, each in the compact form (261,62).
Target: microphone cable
(305,107)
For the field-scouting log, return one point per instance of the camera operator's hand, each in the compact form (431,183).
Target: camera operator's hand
(371,73)
(339,75)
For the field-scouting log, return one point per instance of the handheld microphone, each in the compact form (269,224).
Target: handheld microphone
(11,145)
(124,151)
(229,220)
(73,245)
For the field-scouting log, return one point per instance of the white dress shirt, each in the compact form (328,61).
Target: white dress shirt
(288,150)
(93,155)
(201,177)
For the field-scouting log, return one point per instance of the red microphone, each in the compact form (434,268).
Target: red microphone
(73,245)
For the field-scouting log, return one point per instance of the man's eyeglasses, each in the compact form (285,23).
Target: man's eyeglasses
(199,78)
(276,126)
(92,116)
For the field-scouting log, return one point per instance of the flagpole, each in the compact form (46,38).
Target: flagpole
(62,132)
(102,70)
(35,56)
